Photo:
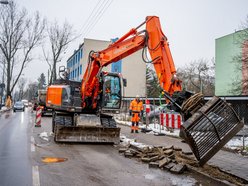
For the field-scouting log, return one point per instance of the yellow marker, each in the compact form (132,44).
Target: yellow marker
(53,159)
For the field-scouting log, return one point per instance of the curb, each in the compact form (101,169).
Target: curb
(193,169)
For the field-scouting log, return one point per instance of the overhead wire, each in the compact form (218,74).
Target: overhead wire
(95,15)
(98,16)
(89,17)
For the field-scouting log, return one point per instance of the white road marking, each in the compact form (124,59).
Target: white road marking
(32,144)
(36,176)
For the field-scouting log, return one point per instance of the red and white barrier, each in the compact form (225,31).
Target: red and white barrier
(148,107)
(38,117)
(171,120)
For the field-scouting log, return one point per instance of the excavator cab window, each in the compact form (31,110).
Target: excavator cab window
(111,91)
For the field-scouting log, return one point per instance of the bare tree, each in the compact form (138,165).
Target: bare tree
(19,35)
(240,85)
(59,39)
(21,85)
(31,91)
(198,76)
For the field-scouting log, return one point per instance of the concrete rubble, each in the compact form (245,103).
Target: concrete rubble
(157,157)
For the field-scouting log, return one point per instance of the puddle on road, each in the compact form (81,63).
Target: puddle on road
(53,159)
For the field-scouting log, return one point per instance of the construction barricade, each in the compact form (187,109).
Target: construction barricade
(38,117)
(171,120)
(148,107)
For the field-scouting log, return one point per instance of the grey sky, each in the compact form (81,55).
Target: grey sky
(191,26)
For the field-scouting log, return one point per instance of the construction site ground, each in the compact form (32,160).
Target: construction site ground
(215,172)
(100,164)
(224,165)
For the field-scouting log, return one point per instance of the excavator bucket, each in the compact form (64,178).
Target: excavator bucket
(89,128)
(210,128)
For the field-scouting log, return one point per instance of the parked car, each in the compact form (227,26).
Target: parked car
(19,105)
(25,102)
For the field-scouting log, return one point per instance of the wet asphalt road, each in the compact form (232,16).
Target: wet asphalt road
(86,164)
(100,165)
(15,164)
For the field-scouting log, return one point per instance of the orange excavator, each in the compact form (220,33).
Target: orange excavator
(83,112)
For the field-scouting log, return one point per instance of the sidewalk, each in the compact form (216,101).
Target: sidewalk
(229,162)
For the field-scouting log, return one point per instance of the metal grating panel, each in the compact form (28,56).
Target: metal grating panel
(210,128)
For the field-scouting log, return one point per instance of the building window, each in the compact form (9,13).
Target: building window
(80,69)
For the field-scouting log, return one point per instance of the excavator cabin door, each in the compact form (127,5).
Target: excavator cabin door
(112,91)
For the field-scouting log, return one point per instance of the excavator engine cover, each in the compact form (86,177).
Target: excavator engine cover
(210,128)
(87,128)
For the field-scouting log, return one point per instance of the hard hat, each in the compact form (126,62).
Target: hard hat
(137,96)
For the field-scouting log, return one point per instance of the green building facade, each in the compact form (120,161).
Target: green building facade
(228,69)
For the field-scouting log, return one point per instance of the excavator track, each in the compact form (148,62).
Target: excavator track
(87,129)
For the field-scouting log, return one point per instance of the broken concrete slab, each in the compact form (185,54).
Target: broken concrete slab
(187,152)
(168,147)
(144,159)
(154,158)
(169,166)
(163,162)
(128,154)
(168,152)
(177,148)
(121,150)
(153,165)
(178,168)
(172,156)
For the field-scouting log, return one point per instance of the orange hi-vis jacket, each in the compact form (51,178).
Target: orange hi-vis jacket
(135,106)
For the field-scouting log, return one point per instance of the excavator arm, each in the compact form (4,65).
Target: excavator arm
(151,39)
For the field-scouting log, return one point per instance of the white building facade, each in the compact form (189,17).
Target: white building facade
(132,67)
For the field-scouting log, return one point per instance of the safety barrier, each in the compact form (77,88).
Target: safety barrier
(148,107)
(171,120)
(38,117)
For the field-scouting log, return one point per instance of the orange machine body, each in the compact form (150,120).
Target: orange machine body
(54,96)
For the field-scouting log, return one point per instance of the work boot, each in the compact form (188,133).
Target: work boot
(136,131)
(131,131)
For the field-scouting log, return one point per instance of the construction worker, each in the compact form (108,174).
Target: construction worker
(136,111)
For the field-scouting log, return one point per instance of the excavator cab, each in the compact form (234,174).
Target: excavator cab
(111,93)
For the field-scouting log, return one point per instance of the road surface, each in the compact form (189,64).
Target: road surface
(22,150)
(15,154)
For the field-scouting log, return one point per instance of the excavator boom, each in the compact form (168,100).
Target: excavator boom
(151,39)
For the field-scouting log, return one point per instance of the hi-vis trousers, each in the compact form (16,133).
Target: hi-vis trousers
(135,122)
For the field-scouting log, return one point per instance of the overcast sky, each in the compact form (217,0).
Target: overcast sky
(191,26)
